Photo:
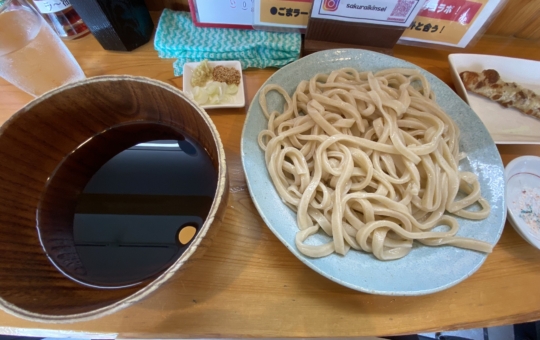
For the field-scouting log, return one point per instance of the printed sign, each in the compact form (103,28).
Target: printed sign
(382,12)
(223,13)
(51,6)
(450,22)
(282,13)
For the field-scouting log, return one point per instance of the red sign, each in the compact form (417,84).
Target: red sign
(461,11)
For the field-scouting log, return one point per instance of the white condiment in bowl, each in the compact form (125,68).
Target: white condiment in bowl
(523,197)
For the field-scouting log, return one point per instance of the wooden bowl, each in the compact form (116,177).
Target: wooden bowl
(59,126)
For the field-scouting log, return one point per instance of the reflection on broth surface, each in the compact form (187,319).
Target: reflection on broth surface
(135,215)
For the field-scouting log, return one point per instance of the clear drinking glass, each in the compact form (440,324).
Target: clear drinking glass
(32,56)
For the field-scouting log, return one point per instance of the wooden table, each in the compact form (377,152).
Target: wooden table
(248,284)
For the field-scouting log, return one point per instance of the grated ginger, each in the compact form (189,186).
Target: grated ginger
(201,74)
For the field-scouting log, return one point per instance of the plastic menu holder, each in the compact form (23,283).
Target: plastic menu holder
(451,23)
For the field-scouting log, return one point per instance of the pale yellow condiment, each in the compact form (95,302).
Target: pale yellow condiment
(201,74)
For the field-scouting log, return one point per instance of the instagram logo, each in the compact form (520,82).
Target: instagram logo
(330,5)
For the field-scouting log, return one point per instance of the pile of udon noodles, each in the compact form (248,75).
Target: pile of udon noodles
(372,160)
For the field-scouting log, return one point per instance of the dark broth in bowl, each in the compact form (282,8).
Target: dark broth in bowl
(126,204)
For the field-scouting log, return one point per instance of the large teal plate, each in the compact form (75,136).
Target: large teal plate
(426,269)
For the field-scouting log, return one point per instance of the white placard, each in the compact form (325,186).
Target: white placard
(381,12)
(229,12)
(51,6)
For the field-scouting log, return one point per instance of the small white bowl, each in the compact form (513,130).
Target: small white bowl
(523,177)
(239,100)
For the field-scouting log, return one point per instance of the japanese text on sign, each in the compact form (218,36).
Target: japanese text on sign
(457,21)
(462,11)
(51,6)
(419,26)
(244,5)
(283,11)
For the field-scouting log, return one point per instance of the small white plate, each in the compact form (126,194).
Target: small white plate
(505,125)
(239,100)
(522,174)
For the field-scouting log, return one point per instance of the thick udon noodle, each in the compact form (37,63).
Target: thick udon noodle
(372,160)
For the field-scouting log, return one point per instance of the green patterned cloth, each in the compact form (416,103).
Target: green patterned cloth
(177,37)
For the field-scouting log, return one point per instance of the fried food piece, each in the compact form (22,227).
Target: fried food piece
(489,84)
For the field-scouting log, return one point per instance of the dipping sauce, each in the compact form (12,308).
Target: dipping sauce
(527,207)
(132,211)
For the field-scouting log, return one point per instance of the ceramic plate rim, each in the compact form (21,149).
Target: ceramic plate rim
(250,181)
(455,59)
(186,85)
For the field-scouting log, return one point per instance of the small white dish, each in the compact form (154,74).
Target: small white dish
(522,197)
(239,100)
(505,125)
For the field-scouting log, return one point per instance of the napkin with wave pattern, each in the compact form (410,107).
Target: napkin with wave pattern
(177,37)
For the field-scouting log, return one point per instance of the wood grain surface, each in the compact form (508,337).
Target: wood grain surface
(353,33)
(519,18)
(248,284)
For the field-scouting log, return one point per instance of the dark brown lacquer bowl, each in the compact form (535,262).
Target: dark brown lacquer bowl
(49,151)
